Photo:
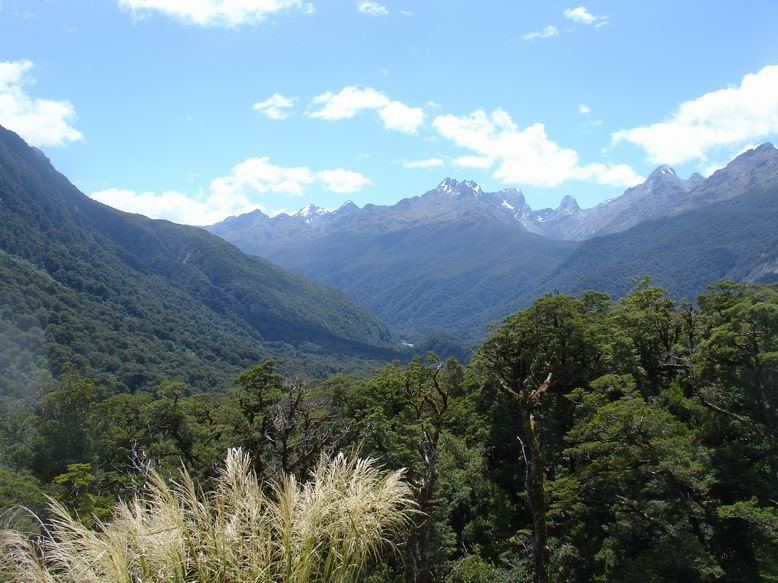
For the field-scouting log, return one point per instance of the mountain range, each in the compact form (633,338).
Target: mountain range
(457,257)
(139,301)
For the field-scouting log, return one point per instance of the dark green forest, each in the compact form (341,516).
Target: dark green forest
(139,301)
(588,439)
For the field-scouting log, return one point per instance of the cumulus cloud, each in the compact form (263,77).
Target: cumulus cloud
(261,176)
(547,32)
(343,181)
(402,118)
(426,163)
(233,194)
(525,156)
(348,102)
(42,122)
(276,106)
(372,8)
(582,15)
(351,100)
(225,13)
(173,206)
(727,117)
(584,109)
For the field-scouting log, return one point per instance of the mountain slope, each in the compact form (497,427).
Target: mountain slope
(121,293)
(458,257)
(427,263)
(661,192)
(729,232)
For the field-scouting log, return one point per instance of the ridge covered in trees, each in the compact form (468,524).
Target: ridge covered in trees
(139,301)
(588,439)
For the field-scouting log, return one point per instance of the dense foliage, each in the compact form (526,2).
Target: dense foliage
(139,301)
(655,433)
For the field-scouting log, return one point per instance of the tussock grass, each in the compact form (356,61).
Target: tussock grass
(326,529)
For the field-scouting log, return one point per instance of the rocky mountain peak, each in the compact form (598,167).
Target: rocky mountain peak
(456,188)
(311,212)
(348,206)
(568,204)
(694,180)
(662,173)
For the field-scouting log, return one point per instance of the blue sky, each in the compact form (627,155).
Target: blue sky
(196,109)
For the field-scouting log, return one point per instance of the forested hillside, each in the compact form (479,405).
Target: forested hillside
(733,239)
(589,439)
(138,301)
(429,277)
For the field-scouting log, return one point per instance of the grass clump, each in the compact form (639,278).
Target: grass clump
(326,529)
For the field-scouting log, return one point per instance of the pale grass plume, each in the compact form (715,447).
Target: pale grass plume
(327,529)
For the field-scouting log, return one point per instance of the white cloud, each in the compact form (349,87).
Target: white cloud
(343,181)
(372,8)
(584,109)
(173,206)
(42,122)
(426,163)
(402,118)
(231,195)
(547,32)
(351,100)
(348,102)
(616,175)
(226,13)
(525,156)
(276,106)
(583,16)
(727,117)
(260,175)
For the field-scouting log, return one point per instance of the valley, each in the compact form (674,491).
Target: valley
(457,258)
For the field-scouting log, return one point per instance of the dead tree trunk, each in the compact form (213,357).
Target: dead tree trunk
(429,400)
(528,396)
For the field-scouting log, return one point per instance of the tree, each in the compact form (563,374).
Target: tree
(255,402)
(636,503)
(78,490)
(63,430)
(426,394)
(557,339)
(305,425)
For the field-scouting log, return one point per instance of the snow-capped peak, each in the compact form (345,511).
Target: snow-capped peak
(662,170)
(453,187)
(472,186)
(311,212)
(448,185)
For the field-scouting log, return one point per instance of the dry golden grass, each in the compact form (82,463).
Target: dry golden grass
(327,529)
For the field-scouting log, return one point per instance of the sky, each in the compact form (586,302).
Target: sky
(195,110)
